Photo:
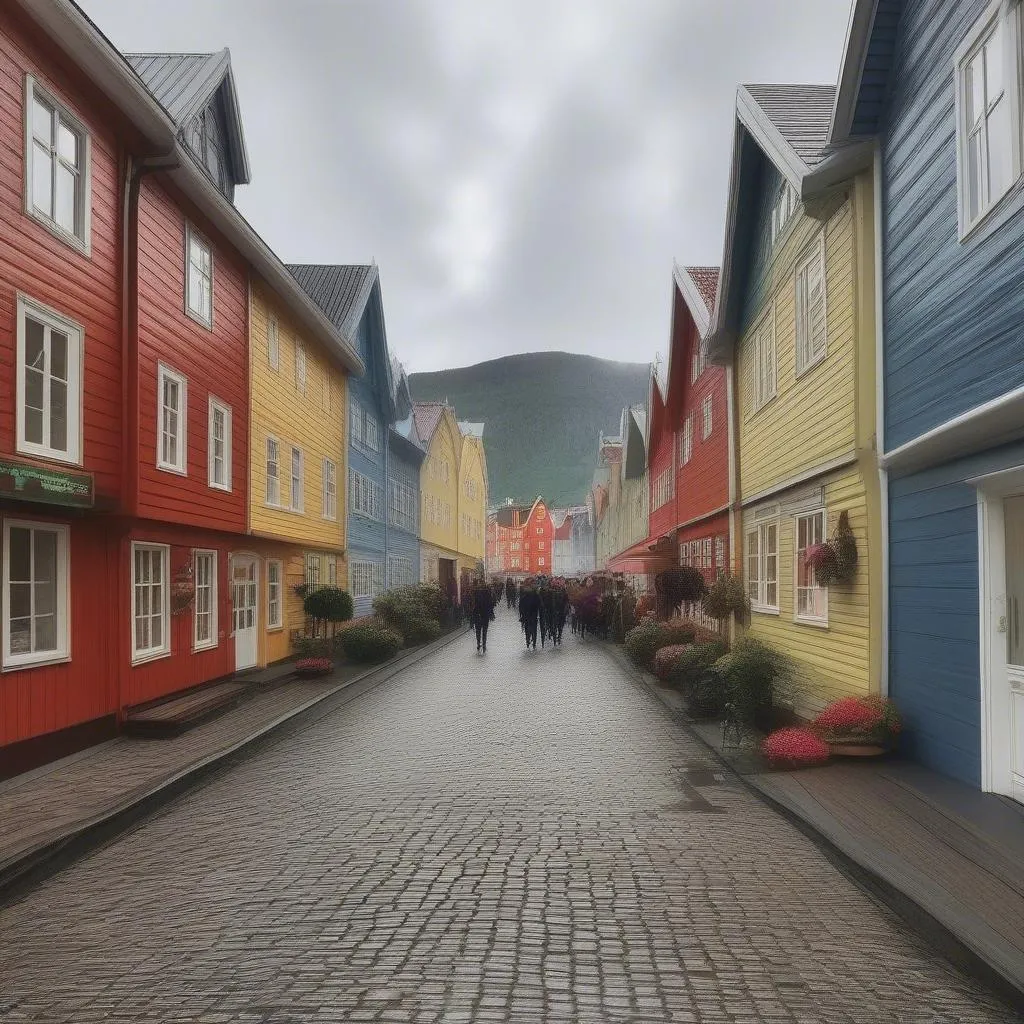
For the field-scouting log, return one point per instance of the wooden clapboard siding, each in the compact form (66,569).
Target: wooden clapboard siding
(471,469)
(83,288)
(313,421)
(439,480)
(215,362)
(834,661)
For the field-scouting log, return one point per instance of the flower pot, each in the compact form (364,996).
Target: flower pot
(856,749)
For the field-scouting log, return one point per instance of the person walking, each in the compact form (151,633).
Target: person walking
(529,612)
(482,612)
(510,592)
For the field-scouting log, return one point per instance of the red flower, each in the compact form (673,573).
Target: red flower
(314,665)
(859,715)
(798,747)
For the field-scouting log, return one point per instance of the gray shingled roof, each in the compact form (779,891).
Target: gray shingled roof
(340,291)
(802,114)
(181,82)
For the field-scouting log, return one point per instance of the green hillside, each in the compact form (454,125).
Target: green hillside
(543,413)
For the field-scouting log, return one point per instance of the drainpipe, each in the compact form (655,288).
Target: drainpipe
(134,171)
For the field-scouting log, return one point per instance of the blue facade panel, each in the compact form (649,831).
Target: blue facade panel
(954,311)
(404,542)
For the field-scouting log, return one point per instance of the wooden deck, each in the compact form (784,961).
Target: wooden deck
(175,714)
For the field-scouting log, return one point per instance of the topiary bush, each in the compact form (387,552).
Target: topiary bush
(328,604)
(695,660)
(370,643)
(642,643)
(756,675)
(666,658)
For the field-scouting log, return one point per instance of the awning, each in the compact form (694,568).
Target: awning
(647,551)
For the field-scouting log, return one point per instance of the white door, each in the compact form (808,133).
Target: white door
(245,616)
(1011,625)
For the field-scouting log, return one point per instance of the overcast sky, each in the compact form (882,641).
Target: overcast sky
(523,171)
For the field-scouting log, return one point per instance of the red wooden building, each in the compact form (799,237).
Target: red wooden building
(519,540)
(689,430)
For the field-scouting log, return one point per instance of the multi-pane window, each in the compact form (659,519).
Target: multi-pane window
(400,571)
(402,505)
(198,278)
(763,384)
(35,597)
(663,488)
(697,363)
(706,414)
(273,344)
(150,605)
(172,413)
(811,597)
(275,614)
(300,367)
(785,205)
(811,334)
(49,384)
(366,497)
(988,136)
(57,167)
(367,579)
(205,570)
(763,566)
(363,428)
(312,571)
(273,471)
(720,552)
(297,504)
(220,445)
(330,490)
(332,570)
(686,441)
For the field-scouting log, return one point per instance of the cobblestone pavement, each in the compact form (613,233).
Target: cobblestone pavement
(519,836)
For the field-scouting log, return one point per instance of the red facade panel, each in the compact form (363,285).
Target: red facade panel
(214,363)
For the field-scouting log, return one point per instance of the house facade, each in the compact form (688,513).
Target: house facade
(951,426)
(438,432)
(505,529)
(472,498)
(795,323)
(405,465)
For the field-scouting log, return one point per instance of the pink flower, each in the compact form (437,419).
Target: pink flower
(798,747)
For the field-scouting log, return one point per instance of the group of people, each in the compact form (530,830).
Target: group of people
(542,603)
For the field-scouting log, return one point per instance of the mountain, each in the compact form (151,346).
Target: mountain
(543,413)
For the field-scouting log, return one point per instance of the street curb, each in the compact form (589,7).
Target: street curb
(995,972)
(28,868)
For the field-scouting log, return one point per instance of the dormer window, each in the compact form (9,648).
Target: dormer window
(786,203)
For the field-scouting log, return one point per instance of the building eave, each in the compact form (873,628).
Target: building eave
(769,139)
(858,35)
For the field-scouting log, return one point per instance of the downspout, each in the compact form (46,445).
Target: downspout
(735,510)
(883,474)
(134,171)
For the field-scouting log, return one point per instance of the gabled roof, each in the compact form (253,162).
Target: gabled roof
(634,448)
(789,125)
(341,291)
(184,84)
(427,416)
(558,517)
(472,429)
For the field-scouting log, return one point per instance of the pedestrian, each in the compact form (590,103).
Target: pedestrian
(482,613)
(529,612)
(510,592)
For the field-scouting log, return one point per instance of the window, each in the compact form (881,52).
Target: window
(57,159)
(663,488)
(720,553)
(273,344)
(366,497)
(198,278)
(364,428)
(332,570)
(297,481)
(811,332)
(330,493)
(36,597)
(49,384)
(172,431)
(686,441)
(367,579)
(205,570)
(785,206)
(763,566)
(540,561)
(150,606)
(275,618)
(811,599)
(300,367)
(706,411)
(762,362)
(220,445)
(312,571)
(273,472)
(697,363)
(988,142)
(400,571)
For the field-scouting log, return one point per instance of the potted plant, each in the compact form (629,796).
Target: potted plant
(726,596)
(859,726)
(676,587)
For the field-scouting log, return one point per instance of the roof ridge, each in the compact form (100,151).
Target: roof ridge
(169,53)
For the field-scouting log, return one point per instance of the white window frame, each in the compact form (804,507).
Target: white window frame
(757,575)
(367,579)
(164,650)
(798,616)
(697,363)
(272,440)
(329,496)
(200,316)
(273,343)
(300,367)
(211,643)
(62,609)
(707,414)
(273,624)
(216,405)
(686,441)
(662,488)
(355,423)
(1013,65)
(164,372)
(51,320)
(81,238)
(764,355)
(787,202)
(807,356)
(300,492)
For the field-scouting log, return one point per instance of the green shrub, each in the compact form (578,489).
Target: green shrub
(707,693)
(666,658)
(368,642)
(756,676)
(642,643)
(411,611)
(677,631)
(420,631)
(312,647)
(694,661)
(328,604)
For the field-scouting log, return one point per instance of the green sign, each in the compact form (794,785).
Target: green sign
(30,483)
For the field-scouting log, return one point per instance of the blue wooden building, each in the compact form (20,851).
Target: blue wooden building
(405,459)
(937,84)
(379,540)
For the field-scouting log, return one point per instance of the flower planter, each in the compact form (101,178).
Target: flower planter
(853,748)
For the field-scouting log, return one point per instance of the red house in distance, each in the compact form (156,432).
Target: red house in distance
(519,540)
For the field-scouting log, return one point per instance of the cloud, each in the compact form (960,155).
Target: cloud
(523,172)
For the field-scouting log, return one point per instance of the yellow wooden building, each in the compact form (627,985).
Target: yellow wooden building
(297,471)
(471,544)
(795,319)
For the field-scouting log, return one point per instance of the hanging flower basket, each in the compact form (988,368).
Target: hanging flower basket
(726,596)
(835,560)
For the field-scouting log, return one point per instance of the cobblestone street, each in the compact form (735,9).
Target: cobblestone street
(519,836)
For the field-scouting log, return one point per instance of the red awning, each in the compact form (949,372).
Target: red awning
(642,552)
